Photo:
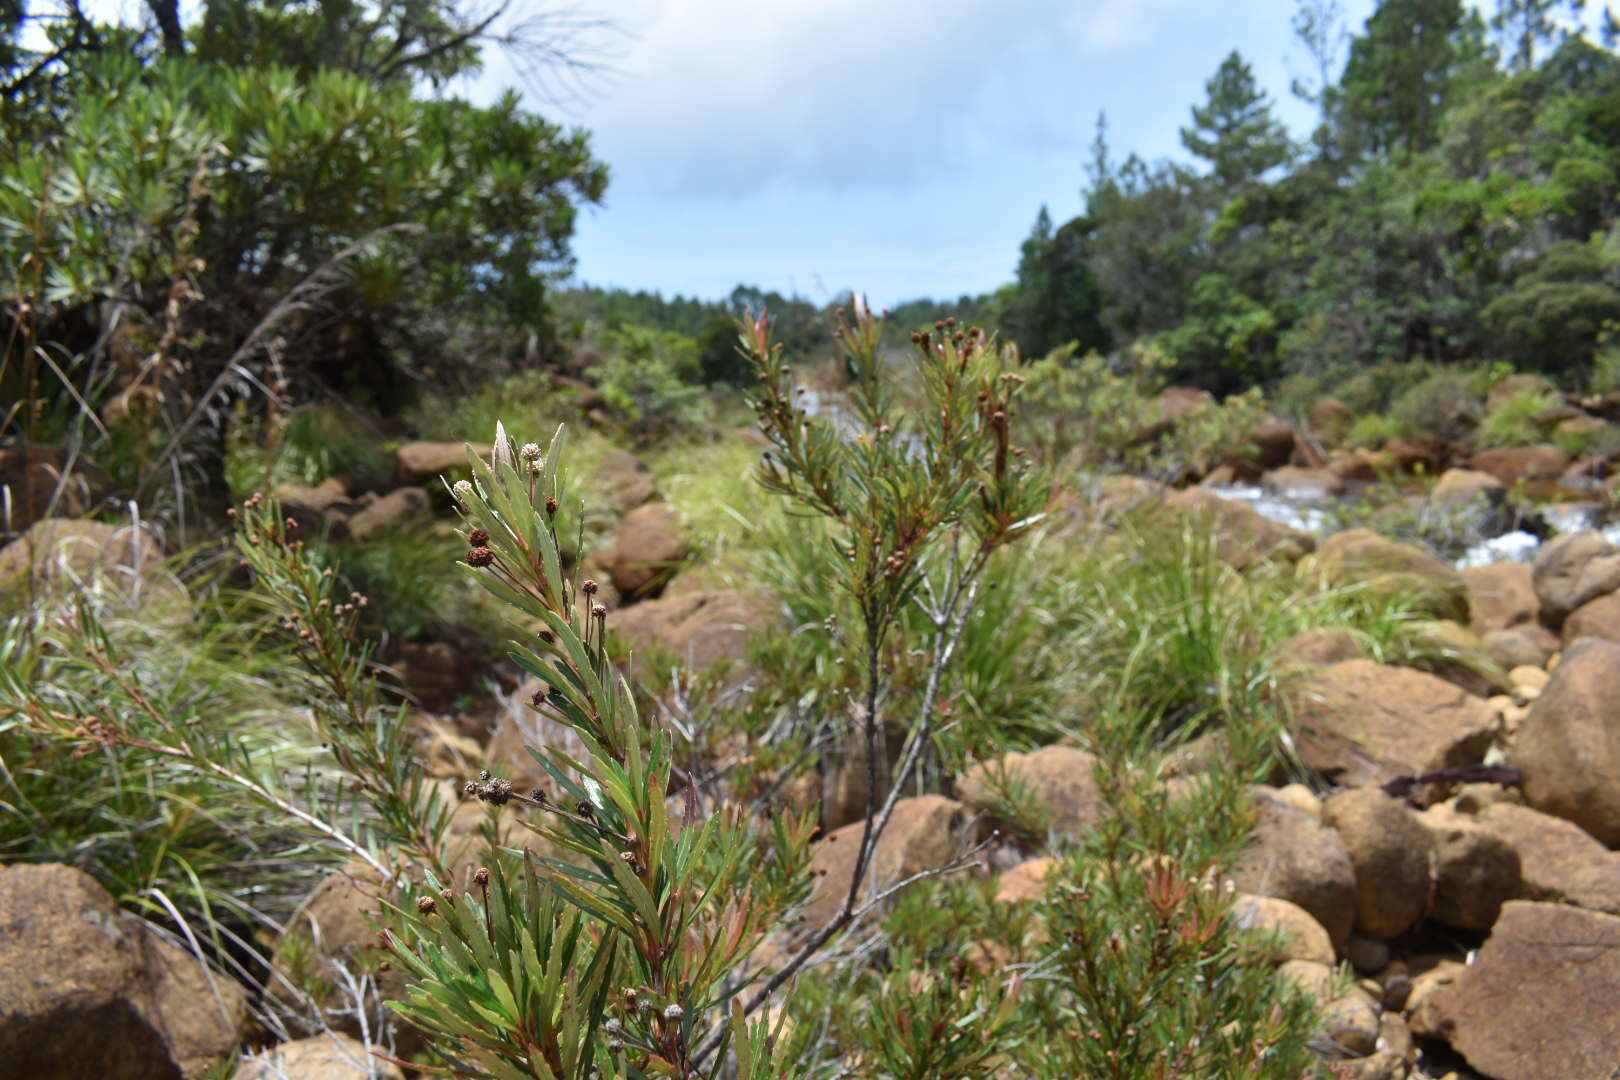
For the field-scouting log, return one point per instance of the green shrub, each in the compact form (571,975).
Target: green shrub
(1446,405)
(1373,430)
(652,379)
(1512,420)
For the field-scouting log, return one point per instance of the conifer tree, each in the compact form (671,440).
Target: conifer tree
(1234,130)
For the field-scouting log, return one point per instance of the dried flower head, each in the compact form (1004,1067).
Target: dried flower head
(478,538)
(426,905)
(462,489)
(530,452)
(481,876)
(673,1011)
(480,556)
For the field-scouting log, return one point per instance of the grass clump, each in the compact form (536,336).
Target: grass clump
(1512,421)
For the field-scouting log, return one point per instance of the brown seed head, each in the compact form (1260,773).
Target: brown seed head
(480,556)
(481,876)
(426,905)
(478,538)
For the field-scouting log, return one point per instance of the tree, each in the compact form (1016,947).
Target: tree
(1522,25)
(1234,129)
(1319,26)
(191,226)
(1057,299)
(1404,70)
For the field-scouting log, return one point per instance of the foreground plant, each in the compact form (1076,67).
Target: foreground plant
(621,954)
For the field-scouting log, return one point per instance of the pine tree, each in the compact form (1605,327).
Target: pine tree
(1235,130)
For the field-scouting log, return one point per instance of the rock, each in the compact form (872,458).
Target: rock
(1360,723)
(1573,568)
(1410,455)
(1580,429)
(38,480)
(647,551)
(623,482)
(391,511)
(1367,954)
(1597,886)
(1294,857)
(1553,853)
(700,628)
(1244,537)
(1569,745)
(1388,850)
(1500,596)
(89,991)
(1351,1020)
(446,753)
(125,560)
(1318,648)
(1060,778)
(332,1056)
(1273,443)
(1511,463)
(1599,618)
(1476,870)
(1297,483)
(1459,487)
(1454,653)
(1361,466)
(1541,1000)
(1390,568)
(331,930)
(1172,405)
(1527,643)
(1024,882)
(1309,977)
(1529,677)
(1302,937)
(435,673)
(319,511)
(419,463)
(924,833)
(1300,797)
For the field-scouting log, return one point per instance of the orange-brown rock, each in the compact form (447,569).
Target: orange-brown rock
(1500,596)
(1362,723)
(926,832)
(1541,1000)
(1569,744)
(1061,778)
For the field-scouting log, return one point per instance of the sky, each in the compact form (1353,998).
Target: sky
(901,148)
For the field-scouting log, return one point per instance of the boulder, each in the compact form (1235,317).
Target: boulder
(1571,569)
(1389,568)
(1460,487)
(1597,618)
(435,673)
(1331,419)
(1172,405)
(331,1056)
(1244,537)
(1294,482)
(39,480)
(1410,455)
(1272,442)
(702,627)
(1024,882)
(1061,779)
(1597,886)
(1511,463)
(646,552)
(1453,652)
(1520,384)
(1476,870)
(1500,596)
(1541,1000)
(1301,937)
(1361,466)
(1294,857)
(332,931)
(1527,643)
(1388,850)
(125,560)
(623,482)
(1318,648)
(925,832)
(1553,853)
(390,511)
(1360,723)
(89,991)
(419,463)
(1569,745)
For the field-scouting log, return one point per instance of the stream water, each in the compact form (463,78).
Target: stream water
(1314,514)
